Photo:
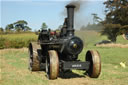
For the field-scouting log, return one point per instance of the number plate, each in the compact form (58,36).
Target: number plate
(75,65)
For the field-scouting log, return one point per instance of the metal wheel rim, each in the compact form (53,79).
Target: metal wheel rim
(47,67)
(30,59)
(52,64)
(95,63)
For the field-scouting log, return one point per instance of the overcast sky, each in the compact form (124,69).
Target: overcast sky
(50,11)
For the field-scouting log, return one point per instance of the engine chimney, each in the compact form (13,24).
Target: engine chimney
(70,20)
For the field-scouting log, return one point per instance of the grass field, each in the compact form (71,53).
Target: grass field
(16,40)
(15,66)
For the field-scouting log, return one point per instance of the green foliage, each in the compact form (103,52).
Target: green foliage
(44,26)
(111,31)
(16,40)
(116,21)
(9,28)
(2,41)
(21,25)
(96,18)
(27,28)
(1,30)
(18,26)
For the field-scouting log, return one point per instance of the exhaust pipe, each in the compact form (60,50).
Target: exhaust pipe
(70,20)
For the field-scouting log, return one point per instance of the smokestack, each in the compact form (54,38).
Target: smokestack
(70,19)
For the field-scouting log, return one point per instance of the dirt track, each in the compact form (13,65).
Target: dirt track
(113,45)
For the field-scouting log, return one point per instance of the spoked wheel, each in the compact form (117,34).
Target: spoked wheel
(52,64)
(34,64)
(95,63)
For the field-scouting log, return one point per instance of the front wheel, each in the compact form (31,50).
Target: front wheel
(95,63)
(52,64)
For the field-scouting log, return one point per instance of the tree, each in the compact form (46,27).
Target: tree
(44,26)
(111,31)
(20,25)
(27,28)
(9,27)
(1,30)
(116,21)
(96,18)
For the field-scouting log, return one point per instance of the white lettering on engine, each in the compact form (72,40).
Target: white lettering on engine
(76,65)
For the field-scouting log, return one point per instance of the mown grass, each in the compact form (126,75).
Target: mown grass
(112,72)
(15,65)
(15,69)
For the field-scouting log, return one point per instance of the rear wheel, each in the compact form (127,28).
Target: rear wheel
(34,64)
(95,63)
(52,64)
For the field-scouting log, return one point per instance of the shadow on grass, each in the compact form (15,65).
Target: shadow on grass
(69,74)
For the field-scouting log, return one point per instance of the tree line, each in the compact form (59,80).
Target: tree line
(116,21)
(19,26)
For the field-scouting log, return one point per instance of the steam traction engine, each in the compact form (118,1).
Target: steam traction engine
(59,52)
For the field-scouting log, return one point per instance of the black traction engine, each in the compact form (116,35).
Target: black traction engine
(58,52)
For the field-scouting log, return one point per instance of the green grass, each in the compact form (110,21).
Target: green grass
(16,40)
(15,65)
(15,69)
(23,39)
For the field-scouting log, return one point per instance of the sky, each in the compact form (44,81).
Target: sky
(35,12)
